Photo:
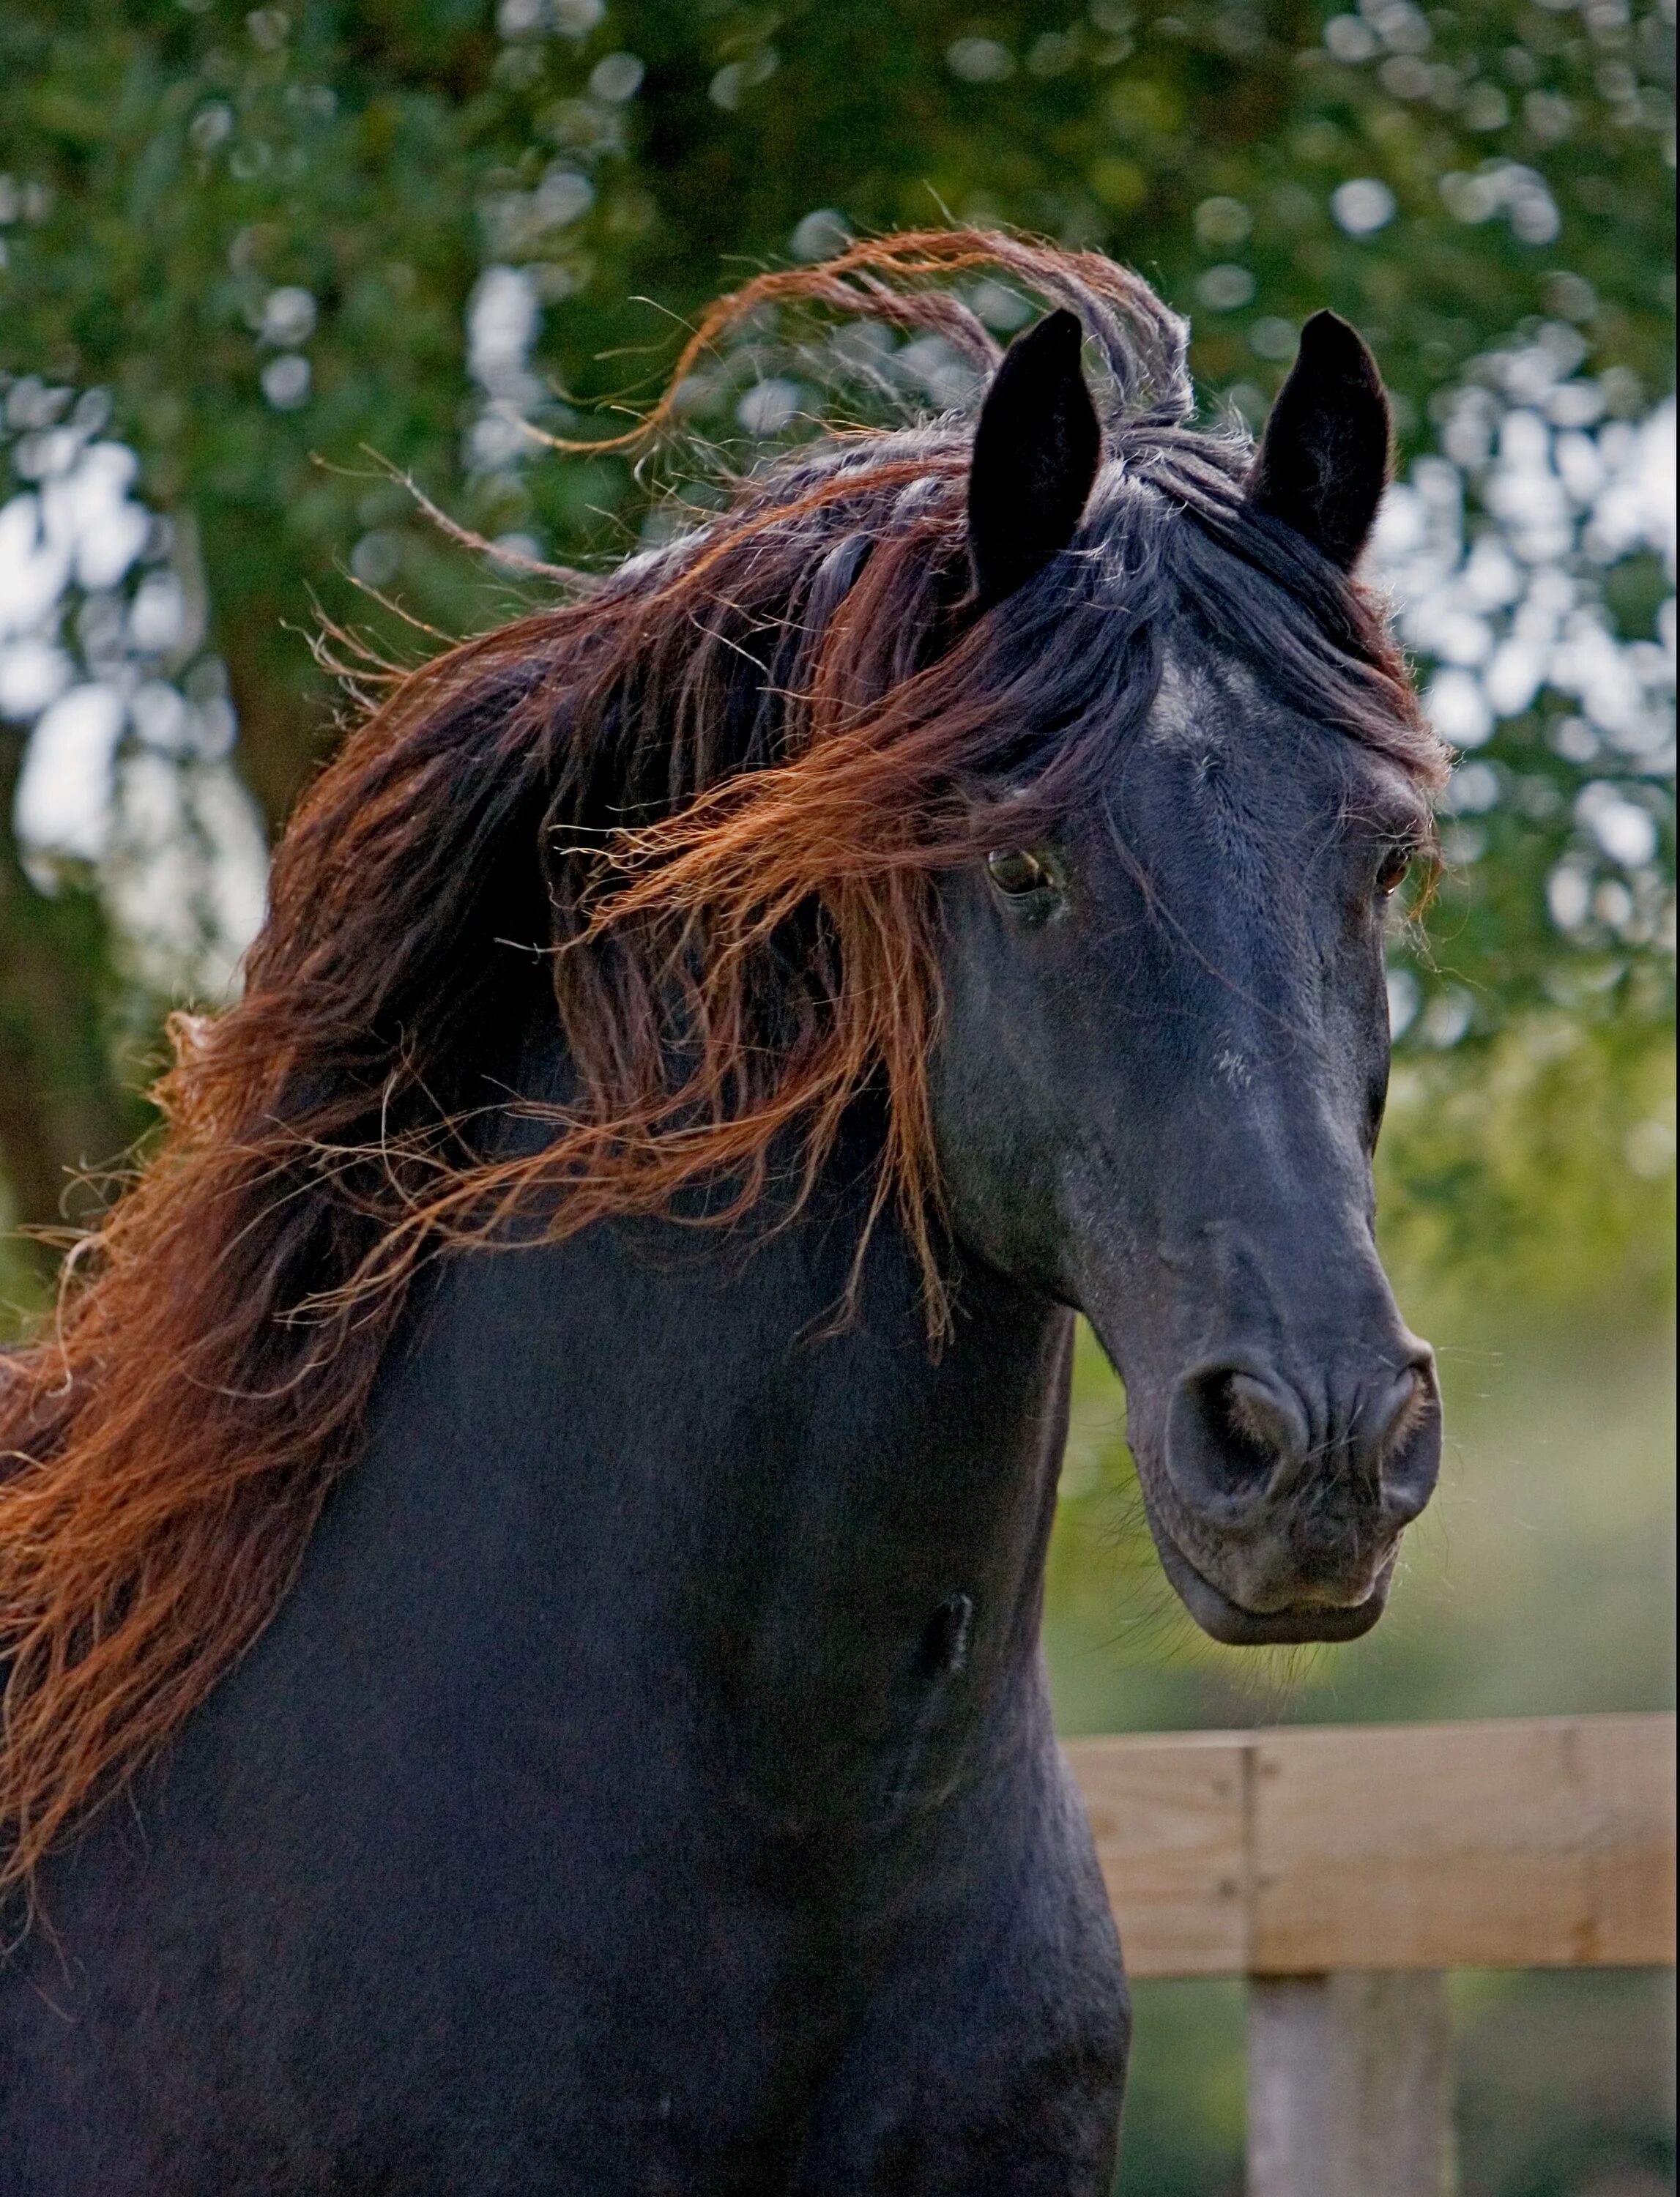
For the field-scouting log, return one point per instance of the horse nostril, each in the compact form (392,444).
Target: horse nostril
(1408,1443)
(1399,1411)
(1262,1420)
(1229,1433)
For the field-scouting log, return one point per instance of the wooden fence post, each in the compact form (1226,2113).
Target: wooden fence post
(1350,2086)
(1344,1871)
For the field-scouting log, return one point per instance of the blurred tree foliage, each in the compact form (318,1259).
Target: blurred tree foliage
(280,240)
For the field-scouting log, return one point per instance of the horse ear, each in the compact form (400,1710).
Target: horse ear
(1036,450)
(1323,458)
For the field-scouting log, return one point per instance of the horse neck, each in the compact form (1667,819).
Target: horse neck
(697,1425)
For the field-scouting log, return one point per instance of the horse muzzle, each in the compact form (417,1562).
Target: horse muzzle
(1278,1505)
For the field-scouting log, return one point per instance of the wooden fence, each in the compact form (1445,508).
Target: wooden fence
(1344,1869)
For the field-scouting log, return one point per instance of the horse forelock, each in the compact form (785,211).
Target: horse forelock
(697,812)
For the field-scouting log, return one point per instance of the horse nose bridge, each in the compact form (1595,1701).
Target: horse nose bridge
(1267,1158)
(1298,1280)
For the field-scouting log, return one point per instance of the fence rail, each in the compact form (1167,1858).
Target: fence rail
(1344,1869)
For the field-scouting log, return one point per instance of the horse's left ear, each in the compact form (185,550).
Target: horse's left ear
(1036,451)
(1323,458)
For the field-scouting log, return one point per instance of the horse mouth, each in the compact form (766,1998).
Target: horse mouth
(1293,1625)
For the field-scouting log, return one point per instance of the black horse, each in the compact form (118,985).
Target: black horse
(631,1768)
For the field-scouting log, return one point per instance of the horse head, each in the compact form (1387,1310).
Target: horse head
(1164,1042)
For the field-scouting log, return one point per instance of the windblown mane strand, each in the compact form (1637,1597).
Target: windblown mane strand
(696,813)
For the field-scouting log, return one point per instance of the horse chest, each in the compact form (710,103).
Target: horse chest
(628,1722)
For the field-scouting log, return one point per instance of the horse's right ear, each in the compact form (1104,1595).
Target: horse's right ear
(1036,451)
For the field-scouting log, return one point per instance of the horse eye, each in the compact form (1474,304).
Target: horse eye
(1391,871)
(1013,870)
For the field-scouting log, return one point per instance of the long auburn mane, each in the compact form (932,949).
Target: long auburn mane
(696,809)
